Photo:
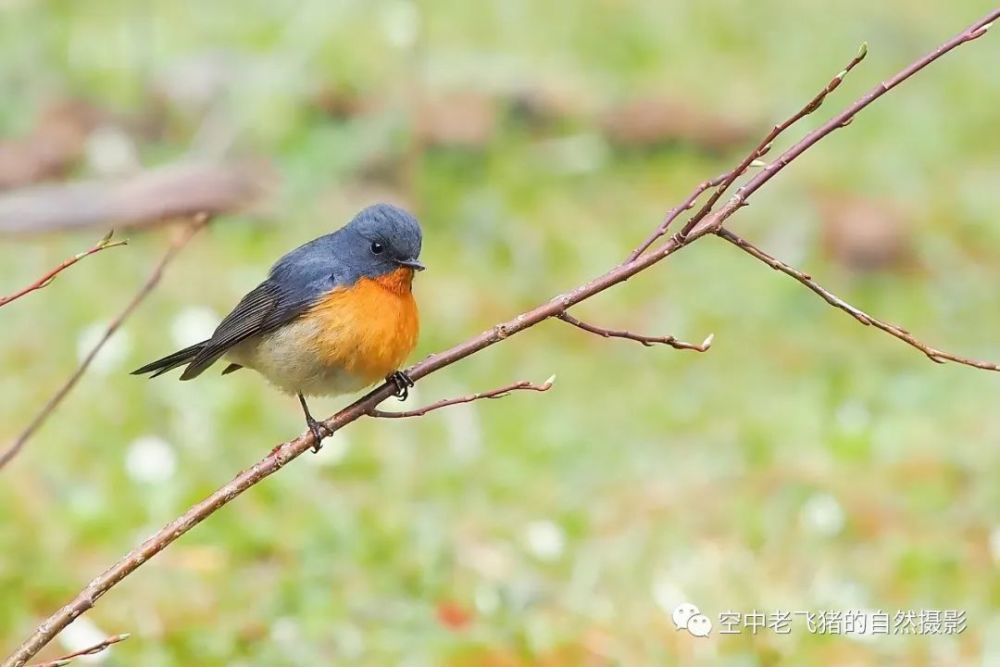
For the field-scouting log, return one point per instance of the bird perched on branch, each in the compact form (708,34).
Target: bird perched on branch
(333,316)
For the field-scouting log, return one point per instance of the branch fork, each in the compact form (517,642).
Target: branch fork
(499,392)
(934,354)
(92,650)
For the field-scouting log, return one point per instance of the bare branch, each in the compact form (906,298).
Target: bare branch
(935,355)
(185,235)
(765,145)
(500,392)
(287,451)
(47,279)
(712,222)
(96,648)
(673,213)
(724,181)
(648,341)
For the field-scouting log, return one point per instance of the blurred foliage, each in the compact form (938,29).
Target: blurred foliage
(804,463)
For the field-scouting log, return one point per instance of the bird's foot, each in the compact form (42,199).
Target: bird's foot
(403,382)
(319,431)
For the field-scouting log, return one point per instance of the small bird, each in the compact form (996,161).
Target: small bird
(333,316)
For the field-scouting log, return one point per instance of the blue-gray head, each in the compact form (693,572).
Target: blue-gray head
(387,237)
(379,240)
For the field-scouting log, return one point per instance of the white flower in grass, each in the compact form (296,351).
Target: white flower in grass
(487,599)
(822,514)
(150,460)
(110,151)
(349,640)
(853,417)
(666,594)
(193,325)
(465,432)
(995,544)
(110,356)
(545,540)
(401,23)
(82,634)
(285,630)
(335,449)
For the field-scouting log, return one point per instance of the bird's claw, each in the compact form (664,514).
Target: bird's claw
(403,382)
(319,431)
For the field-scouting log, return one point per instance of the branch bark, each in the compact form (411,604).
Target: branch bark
(648,341)
(499,392)
(676,211)
(700,225)
(287,451)
(934,354)
(765,145)
(47,279)
(92,650)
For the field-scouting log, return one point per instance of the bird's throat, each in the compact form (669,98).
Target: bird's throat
(399,281)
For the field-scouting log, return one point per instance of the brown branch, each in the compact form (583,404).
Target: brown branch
(648,341)
(150,197)
(765,144)
(47,279)
(96,648)
(188,231)
(714,221)
(935,355)
(500,392)
(724,181)
(287,451)
(673,213)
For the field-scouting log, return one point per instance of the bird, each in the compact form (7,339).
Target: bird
(333,316)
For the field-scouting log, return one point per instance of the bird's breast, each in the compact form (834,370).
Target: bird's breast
(367,329)
(349,339)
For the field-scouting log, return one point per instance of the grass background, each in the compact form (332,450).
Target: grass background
(804,463)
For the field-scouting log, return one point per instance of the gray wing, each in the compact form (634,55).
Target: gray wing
(272,304)
(295,283)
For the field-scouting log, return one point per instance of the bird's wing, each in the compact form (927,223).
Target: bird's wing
(265,308)
(275,302)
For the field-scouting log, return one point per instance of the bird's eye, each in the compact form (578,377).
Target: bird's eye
(377,248)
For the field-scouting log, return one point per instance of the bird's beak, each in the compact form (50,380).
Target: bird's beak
(411,264)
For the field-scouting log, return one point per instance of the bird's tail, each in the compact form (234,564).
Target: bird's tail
(172,361)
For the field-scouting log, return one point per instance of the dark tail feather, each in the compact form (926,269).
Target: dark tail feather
(172,361)
(202,358)
(231,368)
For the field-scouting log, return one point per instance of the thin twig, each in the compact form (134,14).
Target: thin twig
(47,279)
(185,235)
(935,355)
(673,213)
(96,648)
(500,392)
(714,221)
(765,144)
(648,341)
(724,181)
(285,452)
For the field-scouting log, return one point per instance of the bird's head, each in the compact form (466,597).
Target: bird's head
(382,239)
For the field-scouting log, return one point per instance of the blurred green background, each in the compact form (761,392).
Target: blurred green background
(804,463)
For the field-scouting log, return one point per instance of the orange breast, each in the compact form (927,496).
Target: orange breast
(367,329)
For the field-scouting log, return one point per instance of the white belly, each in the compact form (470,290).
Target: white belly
(286,360)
